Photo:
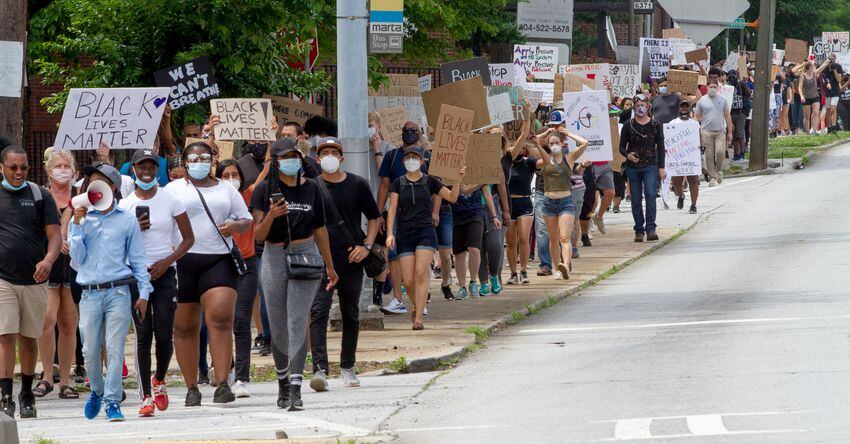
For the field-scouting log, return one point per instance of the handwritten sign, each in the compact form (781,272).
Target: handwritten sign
(426,83)
(539,61)
(696,55)
(190,83)
(392,121)
(685,82)
(243,119)
(623,79)
(836,42)
(11,68)
(678,49)
(796,50)
(502,74)
(412,106)
(454,128)
(673,33)
(501,110)
(468,94)
(483,160)
(731,62)
(288,110)
(682,144)
(225,148)
(619,159)
(399,85)
(544,91)
(596,72)
(778,56)
(654,57)
(466,69)
(124,118)
(587,115)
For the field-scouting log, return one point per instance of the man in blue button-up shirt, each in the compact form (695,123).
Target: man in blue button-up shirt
(108,252)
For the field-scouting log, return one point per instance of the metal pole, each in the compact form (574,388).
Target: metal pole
(601,34)
(763,84)
(13,27)
(631,23)
(726,37)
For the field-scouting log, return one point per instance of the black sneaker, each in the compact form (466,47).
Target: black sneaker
(693,209)
(447,293)
(27,401)
(283,393)
(203,378)
(295,402)
(258,345)
(7,406)
(193,397)
(267,347)
(523,277)
(80,375)
(223,394)
(585,240)
(681,202)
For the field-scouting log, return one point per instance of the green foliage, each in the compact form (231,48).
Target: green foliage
(480,333)
(400,364)
(807,140)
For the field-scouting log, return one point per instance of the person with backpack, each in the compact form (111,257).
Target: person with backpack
(468,232)
(642,143)
(29,246)
(415,241)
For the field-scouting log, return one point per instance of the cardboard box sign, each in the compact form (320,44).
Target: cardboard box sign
(466,69)
(674,33)
(696,55)
(468,94)
(685,82)
(453,130)
(483,160)
(288,110)
(392,121)
(400,85)
(243,119)
(225,148)
(796,51)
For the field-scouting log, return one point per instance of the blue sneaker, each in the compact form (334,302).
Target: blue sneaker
(113,412)
(93,405)
(484,290)
(473,289)
(494,285)
(462,294)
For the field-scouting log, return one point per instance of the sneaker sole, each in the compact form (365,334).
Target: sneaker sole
(318,385)
(348,384)
(117,419)
(225,399)
(243,395)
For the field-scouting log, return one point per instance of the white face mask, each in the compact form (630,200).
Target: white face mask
(235,182)
(330,164)
(412,164)
(61,175)
(712,92)
(557,149)
(372,132)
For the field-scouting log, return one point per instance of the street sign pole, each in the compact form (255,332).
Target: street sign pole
(13,19)
(763,84)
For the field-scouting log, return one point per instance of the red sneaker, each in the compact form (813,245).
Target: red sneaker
(147,409)
(160,394)
(124,371)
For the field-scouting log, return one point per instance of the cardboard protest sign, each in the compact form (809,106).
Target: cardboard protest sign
(11,68)
(796,50)
(501,110)
(678,49)
(546,92)
(731,62)
(468,94)
(819,49)
(778,56)
(412,106)
(680,81)
(728,93)
(654,57)
(836,42)
(466,69)
(623,79)
(619,159)
(392,121)
(483,160)
(399,85)
(190,83)
(426,83)
(696,55)
(225,148)
(124,118)
(453,130)
(288,110)
(587,115)
(515,94)
(674,33)
(243,119)
(682,143)
(539,61)
(743,66)
(502,74)
(596,72)
(575,83)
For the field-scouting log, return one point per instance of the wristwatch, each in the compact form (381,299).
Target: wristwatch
(368,246)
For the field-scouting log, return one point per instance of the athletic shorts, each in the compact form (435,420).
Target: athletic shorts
(468,234)
(832,101)
(811,101)
(408,241)
(521,206)
(444,229)
(197,273)
(22,309)
(739,121)
(604,176)
(563,206)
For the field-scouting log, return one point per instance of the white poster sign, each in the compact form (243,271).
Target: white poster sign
(539,61)
(728,93)
(836,42)
(731,62)
(412,105)
(623,79)
(655,57)
(243,119)
(682,144)
(778,55)
(547,19)
(501,110)
(546,91)
(11,68)
(598,72)
(425,83)
(123,118)
(503,74)
(678,48)
(587,115)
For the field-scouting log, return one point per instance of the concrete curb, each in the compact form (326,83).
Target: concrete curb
(434,363)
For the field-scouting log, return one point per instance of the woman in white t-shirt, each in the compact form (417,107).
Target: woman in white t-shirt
(207,274)
(160,215)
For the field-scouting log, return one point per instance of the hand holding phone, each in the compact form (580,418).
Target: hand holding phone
(143,214)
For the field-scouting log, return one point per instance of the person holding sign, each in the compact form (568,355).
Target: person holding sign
(558,207)
(679,181)
(642,143)
(411,207)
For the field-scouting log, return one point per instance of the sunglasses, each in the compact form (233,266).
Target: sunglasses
(193,158)
(22,168)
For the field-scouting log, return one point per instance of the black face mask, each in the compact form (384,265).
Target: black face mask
(258,150)
(409,137)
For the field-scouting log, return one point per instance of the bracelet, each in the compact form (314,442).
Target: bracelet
(379,154)
(368,246)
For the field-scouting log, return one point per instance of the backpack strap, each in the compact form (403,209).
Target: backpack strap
(38,198)
(36,192)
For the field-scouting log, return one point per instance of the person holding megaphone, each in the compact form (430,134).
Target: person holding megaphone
(106,247)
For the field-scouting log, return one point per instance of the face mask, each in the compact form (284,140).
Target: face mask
(412,164)
(258,150)
(289,167)
(330,164)
(712,92)
(409,137)
(235,182)
(685,116)
(641,110)
(557,149)
(9,186)
(199,170)
(372,132)
(662,90)
(145,185)
(61,175)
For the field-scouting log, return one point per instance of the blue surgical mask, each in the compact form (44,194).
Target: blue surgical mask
(145,185)
(289,167)
(199,170)
(662,90)
(9,186)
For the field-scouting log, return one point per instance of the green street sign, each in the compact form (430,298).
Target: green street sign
(737,24)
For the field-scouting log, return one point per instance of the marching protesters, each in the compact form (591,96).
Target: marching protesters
(468,214)
(307,138)
(832,90)
(556,120)
(577,191)
(29,246)
(415,241)
(665,106)
(207,274)
(716,130)
(162,165)
(61,308)
(290,218)
(347,197)
(176,169)
(104,154)
(844,103)
(808,90)
(679,181)
(558,207)
(160,215)
(642,143)
(109,252)
(522,211)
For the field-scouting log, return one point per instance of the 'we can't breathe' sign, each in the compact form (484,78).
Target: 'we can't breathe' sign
(124,118)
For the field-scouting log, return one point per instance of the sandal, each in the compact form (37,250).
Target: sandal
(418,326)
(68,392)
(42,389)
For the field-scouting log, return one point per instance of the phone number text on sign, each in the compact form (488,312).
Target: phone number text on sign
(544,28)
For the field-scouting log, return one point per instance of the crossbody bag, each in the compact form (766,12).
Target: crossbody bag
(235,255)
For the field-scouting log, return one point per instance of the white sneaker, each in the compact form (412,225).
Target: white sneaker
(319,381)
(557,275)
(719,177)
(240,389)
(349,377)
(231,378)
(713,183)
(425,312)
(395,307)
(600,224)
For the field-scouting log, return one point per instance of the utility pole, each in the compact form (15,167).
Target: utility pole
(13,27)
(763,84)
(631,23)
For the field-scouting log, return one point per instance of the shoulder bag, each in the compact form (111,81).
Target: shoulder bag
(235,254)
(303,266)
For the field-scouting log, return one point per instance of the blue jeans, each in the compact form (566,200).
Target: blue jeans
(643,183)
(540,232)
(796,115)
(105,314)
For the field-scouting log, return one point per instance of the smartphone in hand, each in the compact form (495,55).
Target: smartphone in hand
(144,212)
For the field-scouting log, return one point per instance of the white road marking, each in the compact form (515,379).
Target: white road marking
(679,324)
(729,184)
(436,429)
(746,432)
(706,425)
(636,428)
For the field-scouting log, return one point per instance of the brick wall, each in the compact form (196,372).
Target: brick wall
(40,126)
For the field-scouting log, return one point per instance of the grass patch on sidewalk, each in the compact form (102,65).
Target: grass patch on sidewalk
(797,146)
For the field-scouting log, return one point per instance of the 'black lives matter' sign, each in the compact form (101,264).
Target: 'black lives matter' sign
(189,83)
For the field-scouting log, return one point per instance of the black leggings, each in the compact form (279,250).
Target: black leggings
(619,185)
(492,251)
(245,298)
(159,324)
(348,292)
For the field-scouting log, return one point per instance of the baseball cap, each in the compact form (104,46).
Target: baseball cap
(556,118)
(141,155)
(283,146)
(732,73)
(329,142)
(104,168)
(415,149)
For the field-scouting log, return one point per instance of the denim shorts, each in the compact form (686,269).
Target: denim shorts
(410,240)
(446,227)
(558,207)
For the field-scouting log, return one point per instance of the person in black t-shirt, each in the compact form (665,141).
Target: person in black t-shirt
(352,197)
(29,245)
(832,90)
(411,208)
